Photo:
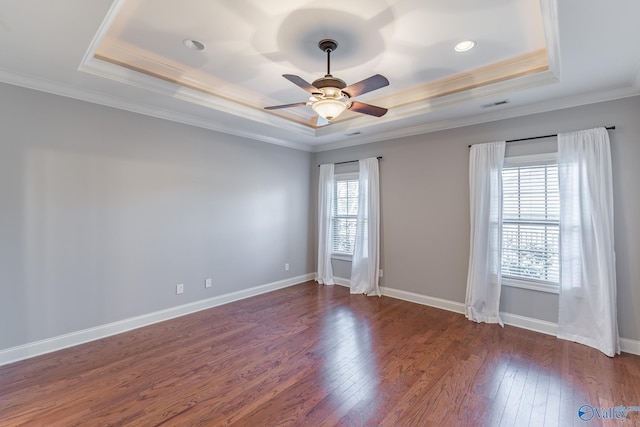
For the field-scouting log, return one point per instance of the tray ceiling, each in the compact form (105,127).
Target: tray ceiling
(132,54)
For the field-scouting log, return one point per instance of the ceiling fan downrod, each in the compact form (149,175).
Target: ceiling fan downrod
(328,46)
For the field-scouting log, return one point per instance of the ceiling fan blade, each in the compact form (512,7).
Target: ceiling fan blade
(277,107)
(372,110)
(366,85)
(302,83)
(319,121)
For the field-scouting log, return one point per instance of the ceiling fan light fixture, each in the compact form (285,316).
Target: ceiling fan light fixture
(329,108)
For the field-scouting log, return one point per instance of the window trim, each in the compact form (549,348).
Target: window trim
(530,160)
(345,176)
(342,257)
(531,284)
(519,282)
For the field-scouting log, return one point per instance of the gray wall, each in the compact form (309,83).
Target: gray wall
(425,205)
(104,211)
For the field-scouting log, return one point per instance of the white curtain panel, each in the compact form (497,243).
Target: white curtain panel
(366,254)
(484,278)
(325,211)
(587,312)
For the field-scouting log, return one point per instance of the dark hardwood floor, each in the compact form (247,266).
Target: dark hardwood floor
(311,355)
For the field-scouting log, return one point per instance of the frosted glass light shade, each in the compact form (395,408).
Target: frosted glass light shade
(329,108)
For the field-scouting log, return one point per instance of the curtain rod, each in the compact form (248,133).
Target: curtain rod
(352,161)
(542,136)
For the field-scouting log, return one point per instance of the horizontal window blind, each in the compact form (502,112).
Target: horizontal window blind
(345,214)
(530,222)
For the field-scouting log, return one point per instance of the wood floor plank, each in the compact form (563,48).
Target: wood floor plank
(312,355)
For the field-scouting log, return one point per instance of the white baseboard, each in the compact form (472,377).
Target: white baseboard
(342,282)
(630,346)
(411,297)
(37,348)
(529,323)
(444,304)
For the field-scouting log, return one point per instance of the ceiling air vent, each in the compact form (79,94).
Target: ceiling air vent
(353,133)
(495,104)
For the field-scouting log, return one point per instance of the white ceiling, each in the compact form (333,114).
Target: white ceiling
(540,55)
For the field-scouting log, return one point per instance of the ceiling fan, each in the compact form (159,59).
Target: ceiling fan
(330,96)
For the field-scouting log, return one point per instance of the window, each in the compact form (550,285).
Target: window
(530,222)
(345,213)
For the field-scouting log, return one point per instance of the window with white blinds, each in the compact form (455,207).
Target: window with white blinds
(530,220)
(345,213)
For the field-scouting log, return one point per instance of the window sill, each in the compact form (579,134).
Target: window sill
(342,257)
(531,285)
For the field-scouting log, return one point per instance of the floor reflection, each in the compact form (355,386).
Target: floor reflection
(349,364)
(541,392)
(515,388)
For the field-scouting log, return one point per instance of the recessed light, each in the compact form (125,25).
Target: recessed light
(465,46)
(194,44)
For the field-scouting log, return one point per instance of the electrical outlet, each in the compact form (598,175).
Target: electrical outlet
(179,288)
(380,273)
(207,283)
(286,267)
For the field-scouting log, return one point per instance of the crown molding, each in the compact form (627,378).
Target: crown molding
(111,15)
(68,91)
(549,13)
(81,94)
(512,72)
(143,81)
(476,96)
(503,114)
